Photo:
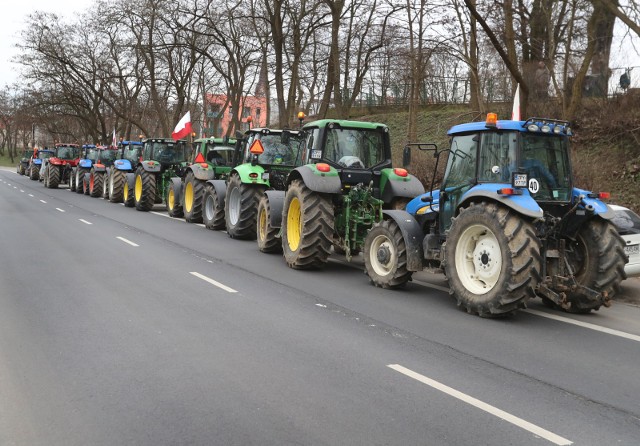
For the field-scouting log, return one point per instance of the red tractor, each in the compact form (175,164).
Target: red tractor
(58,168)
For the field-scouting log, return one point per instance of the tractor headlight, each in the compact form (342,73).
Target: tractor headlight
(533,127)
(546,128)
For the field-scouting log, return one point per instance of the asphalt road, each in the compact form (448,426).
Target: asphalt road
(123,327)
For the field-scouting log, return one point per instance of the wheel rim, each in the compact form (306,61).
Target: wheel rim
(262,224)
(110,185)
(92,183)
(478,259)
(208,207)
(171,200)
(294,224)
(188,197)
(382,255)
(125,191)
(138,191)
(234,206)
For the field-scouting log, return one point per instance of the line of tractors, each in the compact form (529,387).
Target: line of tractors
(507,224)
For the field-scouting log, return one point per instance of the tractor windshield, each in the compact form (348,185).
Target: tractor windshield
(108,156)
(131,153)
(92,154)
(219,155)
(545,159)
(168,152)
(45,155)
(354,148)
(68,152)
(275,151)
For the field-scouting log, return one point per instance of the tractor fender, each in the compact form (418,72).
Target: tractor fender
(595,205)
(131,181)
(523,204)
(201,173)
(176,185)
(220,186)
(328,183)
(393,186)
(250,174)
(412,235)
(85,163)
(122,165)
(151,166)
(276,203)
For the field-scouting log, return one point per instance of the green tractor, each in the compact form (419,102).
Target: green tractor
(212,159)
(157,177)
(24,161)
(346,186)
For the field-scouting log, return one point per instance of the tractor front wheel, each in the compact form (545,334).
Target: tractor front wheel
(385,256)
(127,195)
(95,183)
(268,236)
(597,260)
(307,227)
(79,180)
(174,207)
(212,209)
(34,173)
(241,208)
(144,190)
(192,198)
(492,260)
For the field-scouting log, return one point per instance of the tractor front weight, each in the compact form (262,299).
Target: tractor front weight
(359,211)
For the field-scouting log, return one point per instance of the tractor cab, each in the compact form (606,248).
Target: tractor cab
(67,152)
(265,146)
(107,155)
(214,151)
(166,151)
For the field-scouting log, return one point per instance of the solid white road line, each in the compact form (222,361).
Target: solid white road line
(519,422)
(127,241)
(567,320)
(21,190)
(85,221)
(61,210)
(31,195)
(42,201)
(213,282)
(162,214)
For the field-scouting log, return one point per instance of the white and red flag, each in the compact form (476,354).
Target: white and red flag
(114,141)
(515,114)
(183,128)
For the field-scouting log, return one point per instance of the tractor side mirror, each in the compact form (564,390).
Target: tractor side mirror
(406,157)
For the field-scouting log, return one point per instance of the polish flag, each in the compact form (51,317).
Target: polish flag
(114,141)
(183,128)
(515,114)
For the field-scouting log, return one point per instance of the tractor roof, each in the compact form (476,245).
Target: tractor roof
(131,143)
(215,140)
(531,125)
(346,124)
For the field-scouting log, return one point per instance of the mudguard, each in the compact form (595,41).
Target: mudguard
(412,235)
(151,166)
(599,207)
(251,174)
(176,185)
(276,204)
(202,173)
(85,163)
(392,186)
(131,181)
(220,186)
(523,204)
(323,182)
(123,165)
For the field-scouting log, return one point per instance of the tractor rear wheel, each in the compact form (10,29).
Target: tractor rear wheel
(53,177)
(192,198)
(72,184)
(144,190)
(492,260)
(105,186)
(95,183)
(597,260)
(385,256)
(116,186)
(212,209)
(307,227)
(241,208)
(86,183)
(34,173)
(79,180)
(268,236)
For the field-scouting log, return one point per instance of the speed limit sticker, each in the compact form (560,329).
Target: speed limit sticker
(534,186)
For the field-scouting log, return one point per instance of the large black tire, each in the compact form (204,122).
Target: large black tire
(34,172)
(268,237)
(307,227)
(241,208)
(212,209)
(72,181)
(192,198)
(128,195)
(144,190)
(80,180)
(174,207)
(385,255)
(116,186)
(597,259)
(95,183)
(53,177)
(105,186)
(86,184)
(43,176)
(492,260)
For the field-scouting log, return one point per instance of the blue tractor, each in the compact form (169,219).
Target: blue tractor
(127,159)
(507,224)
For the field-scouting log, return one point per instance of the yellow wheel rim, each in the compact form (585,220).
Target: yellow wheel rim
(138,191)
(262,224)
(294,224)
(171,200)
(125,192)
(188,197)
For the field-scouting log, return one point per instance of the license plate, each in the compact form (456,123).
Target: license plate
(632,250)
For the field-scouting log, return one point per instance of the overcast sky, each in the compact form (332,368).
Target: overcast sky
(624,53)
